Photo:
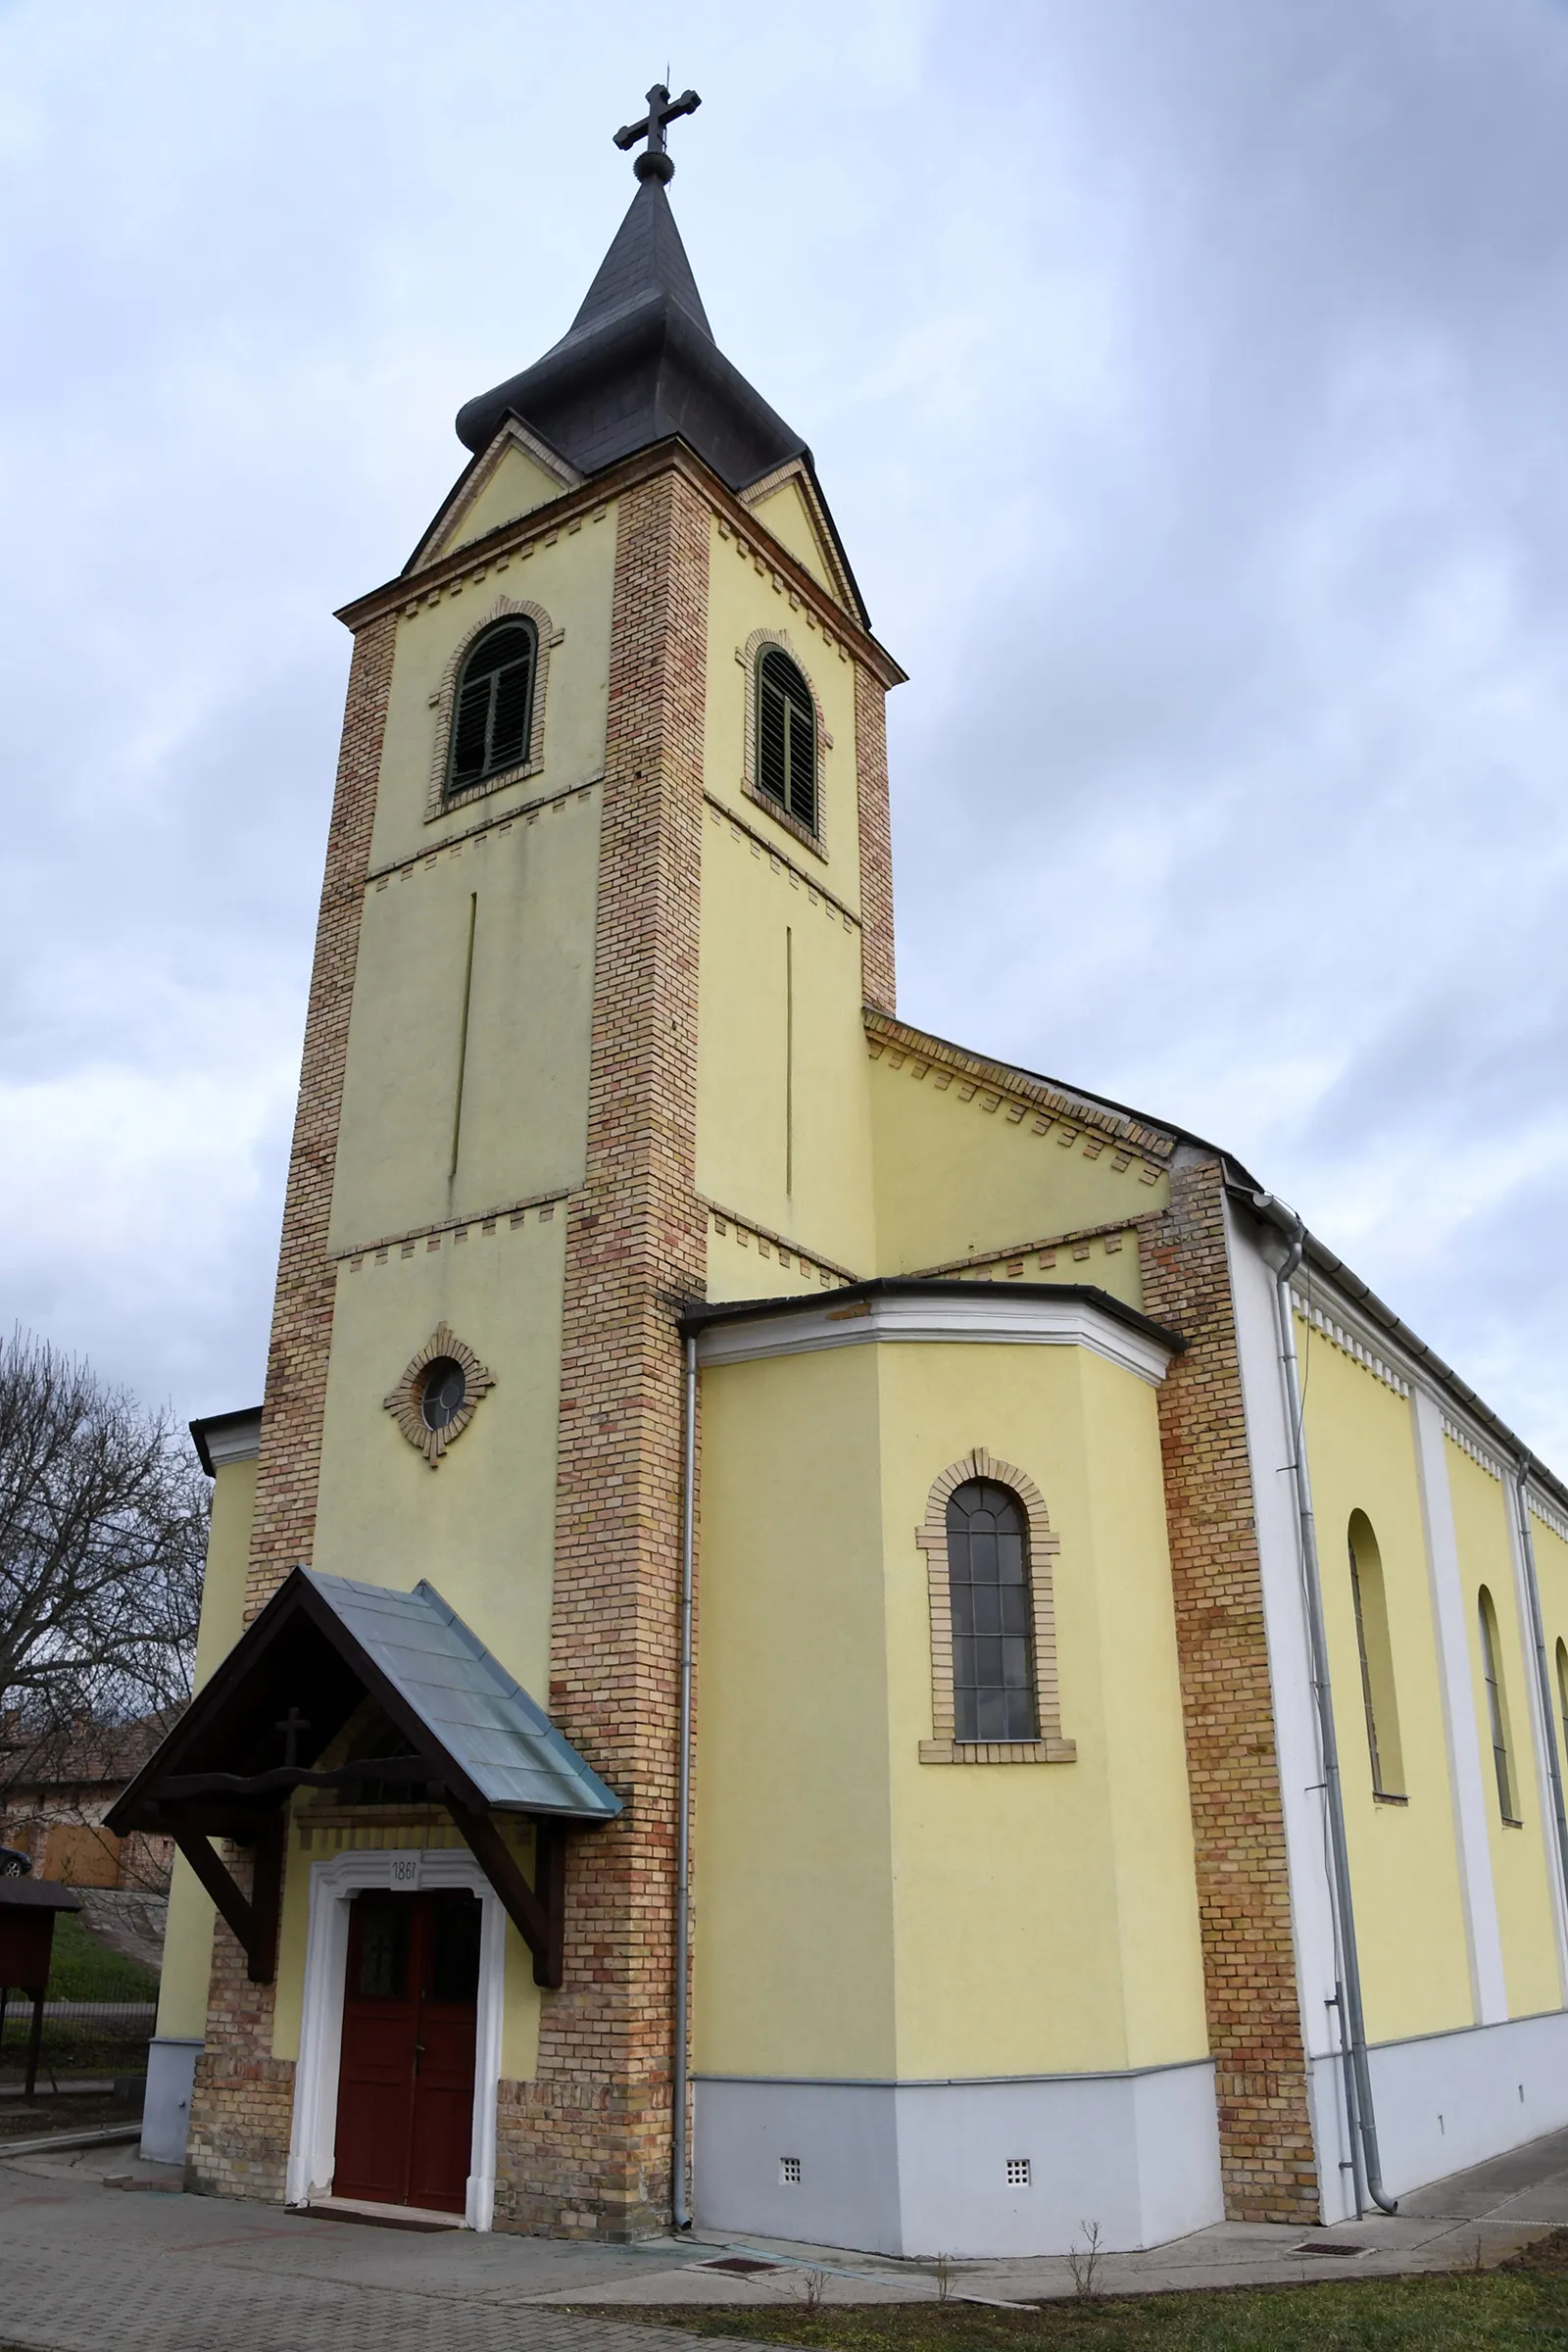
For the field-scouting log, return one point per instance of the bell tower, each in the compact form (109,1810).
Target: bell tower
(608,886)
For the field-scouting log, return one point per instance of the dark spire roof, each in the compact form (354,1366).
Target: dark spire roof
(638,365)
(645,257)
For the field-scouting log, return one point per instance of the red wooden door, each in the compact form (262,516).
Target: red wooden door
(405,2101)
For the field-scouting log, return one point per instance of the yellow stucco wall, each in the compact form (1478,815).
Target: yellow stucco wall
(742,599)
(1409,1913)
(785,513)
(1074,1882)
(528,896)
(1107,1262)
(570,574)
(792,1841)
(783,1132)
(1551,1574)
(515,486)
(229,1548)
(481,1527)
(188,1934)
(979,1919)
(1518,1855)
(954,1175)
(743,1264)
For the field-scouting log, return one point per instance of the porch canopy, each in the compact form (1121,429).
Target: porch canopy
(445,1724)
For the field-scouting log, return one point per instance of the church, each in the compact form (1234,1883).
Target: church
(815,1634)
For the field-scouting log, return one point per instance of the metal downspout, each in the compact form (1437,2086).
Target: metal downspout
(1519,1472)
(680,2212)
(1363,2116)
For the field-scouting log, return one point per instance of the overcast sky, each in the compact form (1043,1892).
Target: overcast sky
(1187,378)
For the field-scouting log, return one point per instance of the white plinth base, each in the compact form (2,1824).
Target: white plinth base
(934,2168)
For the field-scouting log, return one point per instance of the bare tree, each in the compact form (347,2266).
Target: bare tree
(103,1533)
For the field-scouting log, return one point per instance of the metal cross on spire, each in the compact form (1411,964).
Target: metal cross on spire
(653,163)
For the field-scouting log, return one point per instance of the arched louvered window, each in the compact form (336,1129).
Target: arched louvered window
(993,1614)
(492,711)
(1496,1707)
(786,736)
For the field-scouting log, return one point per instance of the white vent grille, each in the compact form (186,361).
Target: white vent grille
(1017,2172)
(789,2171)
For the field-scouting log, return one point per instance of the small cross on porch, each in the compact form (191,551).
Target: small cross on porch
(292,1725)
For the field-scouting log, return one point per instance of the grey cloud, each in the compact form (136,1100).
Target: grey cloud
(1187,383)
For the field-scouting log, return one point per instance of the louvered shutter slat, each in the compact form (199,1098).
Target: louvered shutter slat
(508,728)
(469,731)
(772,755)
(803,766)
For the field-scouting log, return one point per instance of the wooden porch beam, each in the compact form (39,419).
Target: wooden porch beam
(253,1921)
(267,1896)
(537,1912)
(232,1906)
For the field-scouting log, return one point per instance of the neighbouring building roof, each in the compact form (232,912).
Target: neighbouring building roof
(83,1755)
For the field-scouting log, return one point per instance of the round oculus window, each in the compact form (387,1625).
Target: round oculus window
(443,1393)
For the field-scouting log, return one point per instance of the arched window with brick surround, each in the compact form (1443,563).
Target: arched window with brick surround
(990,1553)
(492,718)
(991,1605)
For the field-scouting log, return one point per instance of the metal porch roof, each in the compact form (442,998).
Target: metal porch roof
(479,1714)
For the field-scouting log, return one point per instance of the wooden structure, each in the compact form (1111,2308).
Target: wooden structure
(384,1696)
(28,1909)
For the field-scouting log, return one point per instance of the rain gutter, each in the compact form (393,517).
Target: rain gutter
(1365,2164)
(680,2211)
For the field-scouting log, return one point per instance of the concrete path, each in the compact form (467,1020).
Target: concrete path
(90,2267)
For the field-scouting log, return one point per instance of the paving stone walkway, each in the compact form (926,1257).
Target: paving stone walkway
(90,2267)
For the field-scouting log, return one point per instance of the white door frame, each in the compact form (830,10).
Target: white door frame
(408,1869)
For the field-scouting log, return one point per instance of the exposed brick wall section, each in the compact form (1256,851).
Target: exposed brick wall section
(243,2098)
(1254,2023)
(876,841)
(284,1526)
(584,2148)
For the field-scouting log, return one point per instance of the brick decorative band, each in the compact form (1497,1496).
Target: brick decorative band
(877,980)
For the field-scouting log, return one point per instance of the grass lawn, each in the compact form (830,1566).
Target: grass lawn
(82,1969)
(1520,2307)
